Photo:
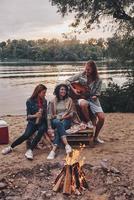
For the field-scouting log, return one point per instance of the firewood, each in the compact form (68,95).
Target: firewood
(73,186)
(79,176)
(57,178)
(84,182)
(68,180)
(71,179)
(76,174)
(57,187)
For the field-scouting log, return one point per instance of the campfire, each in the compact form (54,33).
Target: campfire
(71,178)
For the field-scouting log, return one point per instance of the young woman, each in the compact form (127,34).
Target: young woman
(61,118)
(90,78)
(37,121)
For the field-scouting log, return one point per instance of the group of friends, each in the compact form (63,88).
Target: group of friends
(61,111)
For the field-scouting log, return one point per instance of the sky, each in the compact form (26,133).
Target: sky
(36,19)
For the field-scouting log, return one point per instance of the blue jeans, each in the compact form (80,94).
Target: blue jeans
(30,130)
(61,127)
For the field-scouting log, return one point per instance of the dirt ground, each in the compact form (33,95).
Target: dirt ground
(24,179)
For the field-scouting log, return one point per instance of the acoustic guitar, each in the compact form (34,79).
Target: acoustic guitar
(81,89)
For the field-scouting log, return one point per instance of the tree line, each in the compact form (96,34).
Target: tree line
(67,50)
(51,50)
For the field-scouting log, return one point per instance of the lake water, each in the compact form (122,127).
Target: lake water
(17,82)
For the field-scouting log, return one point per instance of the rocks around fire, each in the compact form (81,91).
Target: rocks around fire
(37,183)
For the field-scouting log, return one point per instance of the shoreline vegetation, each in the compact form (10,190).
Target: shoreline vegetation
(44,50)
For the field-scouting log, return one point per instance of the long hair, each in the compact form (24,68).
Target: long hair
(37,90)
(94,74)
(57,91)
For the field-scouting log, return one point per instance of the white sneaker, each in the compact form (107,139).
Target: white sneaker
(7,150)
(89,124)
(51,155)
(68,149)
(99,141)
(29,154)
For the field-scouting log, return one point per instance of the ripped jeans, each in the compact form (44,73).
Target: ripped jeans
(61,127)
(30,130)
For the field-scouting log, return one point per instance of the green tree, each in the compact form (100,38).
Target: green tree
(121,49)
(52,50)
(2,46)
(93,11)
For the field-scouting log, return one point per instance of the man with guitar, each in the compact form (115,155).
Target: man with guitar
(86,87)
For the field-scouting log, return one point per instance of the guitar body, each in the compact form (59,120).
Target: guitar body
(81,89)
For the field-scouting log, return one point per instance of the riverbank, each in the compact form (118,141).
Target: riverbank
(118,149)
(117,133)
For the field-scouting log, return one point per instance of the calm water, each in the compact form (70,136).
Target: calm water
(17,82)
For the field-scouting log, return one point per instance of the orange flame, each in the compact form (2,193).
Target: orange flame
(75,156)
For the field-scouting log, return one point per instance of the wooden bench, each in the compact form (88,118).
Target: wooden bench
(80,137)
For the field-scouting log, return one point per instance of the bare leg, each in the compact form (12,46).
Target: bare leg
(94,122)
(85,109)
(99,124)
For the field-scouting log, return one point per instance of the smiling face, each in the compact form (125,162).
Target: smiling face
(88,70)
(42,94)
(62,92)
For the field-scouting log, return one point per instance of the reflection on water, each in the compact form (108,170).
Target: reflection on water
(17,82)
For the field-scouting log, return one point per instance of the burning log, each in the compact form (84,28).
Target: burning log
(68,180)
(71,180)
(59,180)
(79,176)
(58,184)
(76,174)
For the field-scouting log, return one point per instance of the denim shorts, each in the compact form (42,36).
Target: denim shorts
(94,108)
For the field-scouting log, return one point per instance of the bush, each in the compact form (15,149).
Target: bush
(118,99)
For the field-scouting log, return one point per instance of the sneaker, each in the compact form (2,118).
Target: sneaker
(98,141)
(68,149)
(29,154)
(7,150)
(90,125)
(51,155)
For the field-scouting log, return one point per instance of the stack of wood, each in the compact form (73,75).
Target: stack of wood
(71,180)
(80,137)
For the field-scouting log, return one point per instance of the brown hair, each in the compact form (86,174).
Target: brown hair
(93,66)
(57,91)
(37,90)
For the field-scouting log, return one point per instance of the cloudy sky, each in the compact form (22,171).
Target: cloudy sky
(33,19)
